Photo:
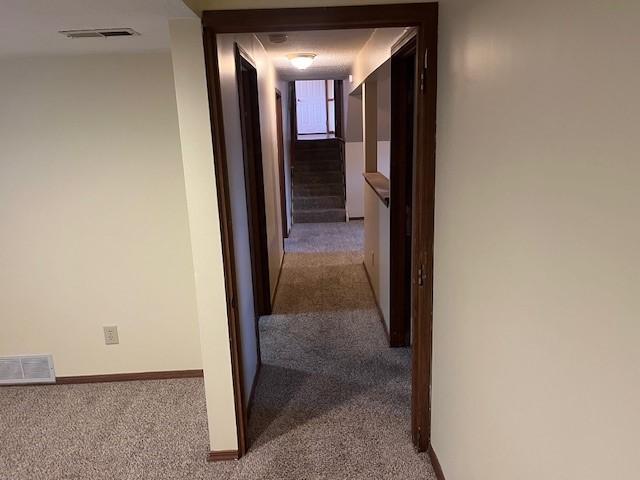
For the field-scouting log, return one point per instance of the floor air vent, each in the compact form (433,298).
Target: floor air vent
(99,33)
(27,369)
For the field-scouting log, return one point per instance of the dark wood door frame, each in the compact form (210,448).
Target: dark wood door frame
(423,16)
(338,95)
(247,80)
(281,168)
(403,96)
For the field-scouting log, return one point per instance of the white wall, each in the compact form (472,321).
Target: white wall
(354,154)
(93,214)
(377,218)
(204,223)
(374,53)
(383,90)
(377,249)
(536,369)
(233,140)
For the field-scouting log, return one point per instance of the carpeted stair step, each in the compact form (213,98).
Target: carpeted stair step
(318,165)
(318,202)
(305,178)
(318,190)
(319,215)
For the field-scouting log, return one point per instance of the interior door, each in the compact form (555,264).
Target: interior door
(311,106)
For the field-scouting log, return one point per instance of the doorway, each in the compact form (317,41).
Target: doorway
(423,17)
(247,76)
(403,93)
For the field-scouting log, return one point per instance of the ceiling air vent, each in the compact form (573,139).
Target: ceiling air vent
(99,33)
(27,369)
(278,37)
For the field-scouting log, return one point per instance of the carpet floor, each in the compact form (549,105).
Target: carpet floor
(332,400)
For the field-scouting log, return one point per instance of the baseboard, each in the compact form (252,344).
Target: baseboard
(435,463)
(275,290)
(129,377)
(223,456)
(252,394)
(356,218)
(380,316)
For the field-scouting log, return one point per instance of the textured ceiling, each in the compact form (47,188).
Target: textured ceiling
(30,27)
(336,50)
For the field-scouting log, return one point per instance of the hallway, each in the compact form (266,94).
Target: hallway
(332,400)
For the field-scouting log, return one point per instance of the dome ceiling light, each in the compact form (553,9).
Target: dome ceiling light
(301,60)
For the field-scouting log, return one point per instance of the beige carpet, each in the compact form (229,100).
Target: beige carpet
(332,400)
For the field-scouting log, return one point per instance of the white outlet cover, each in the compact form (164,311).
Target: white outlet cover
(111,335)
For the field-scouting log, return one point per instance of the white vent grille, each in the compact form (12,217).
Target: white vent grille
(100,33)
(27,369)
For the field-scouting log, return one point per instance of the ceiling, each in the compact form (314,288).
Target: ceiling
(336,51)
(30,27)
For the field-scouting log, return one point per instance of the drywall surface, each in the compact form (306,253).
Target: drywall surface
(94,217)
(377,249)
(204,223)
(383,154)
(354,166)
(354,155)
(374,54)
(235,163)
(536,369)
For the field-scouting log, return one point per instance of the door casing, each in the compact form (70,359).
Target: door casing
(422,16)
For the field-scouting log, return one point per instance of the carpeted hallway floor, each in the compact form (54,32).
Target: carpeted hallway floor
(332,401)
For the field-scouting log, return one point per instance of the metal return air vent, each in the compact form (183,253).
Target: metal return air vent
(99,33)
(27,369)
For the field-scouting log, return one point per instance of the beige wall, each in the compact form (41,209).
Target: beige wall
(204,223)
(93,214)
(537,294)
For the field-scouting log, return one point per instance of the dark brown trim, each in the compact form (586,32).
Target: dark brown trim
(317,18)
(435,463)
(281,169)
(128,377)
(249,106)
(226,230)
(338,99)
(252,394)
(424,16)
(223,456)
(375,299)
(403,102)
(293,127)
(356,218)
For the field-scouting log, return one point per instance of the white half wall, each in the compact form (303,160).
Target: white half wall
(94,217)
(354,166)
(377,252)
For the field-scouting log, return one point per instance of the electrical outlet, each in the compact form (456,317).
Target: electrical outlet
(111,335)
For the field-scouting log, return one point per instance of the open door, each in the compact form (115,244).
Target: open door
(247,76)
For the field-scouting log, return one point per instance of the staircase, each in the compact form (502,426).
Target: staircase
(318,182)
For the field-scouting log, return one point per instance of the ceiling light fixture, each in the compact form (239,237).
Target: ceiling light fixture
(301,60)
